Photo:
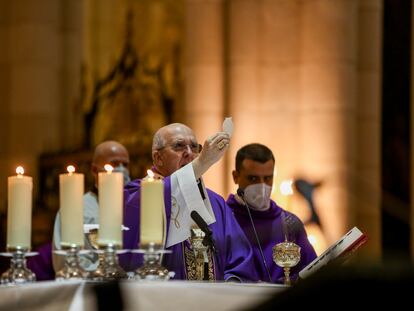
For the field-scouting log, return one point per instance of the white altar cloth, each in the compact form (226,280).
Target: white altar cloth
(172,295)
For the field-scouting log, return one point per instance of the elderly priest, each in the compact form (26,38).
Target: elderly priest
(180,164)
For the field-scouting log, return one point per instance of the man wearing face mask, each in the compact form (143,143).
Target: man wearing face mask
(271,224)
(107,152)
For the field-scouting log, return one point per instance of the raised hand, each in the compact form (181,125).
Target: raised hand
(213,150)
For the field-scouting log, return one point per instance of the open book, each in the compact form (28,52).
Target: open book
(343,247)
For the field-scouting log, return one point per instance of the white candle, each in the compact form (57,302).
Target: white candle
(152,210)
(110,207)
(19,209)
(71,207)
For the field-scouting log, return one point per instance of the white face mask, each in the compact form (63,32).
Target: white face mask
(125,172)
(258,196)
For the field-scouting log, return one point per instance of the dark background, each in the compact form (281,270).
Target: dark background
(396,123)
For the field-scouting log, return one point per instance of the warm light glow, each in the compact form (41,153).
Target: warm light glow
(286,187)
(150,175)
(316,238)
(312,240)
(108,168)
(71,169)
(20,170)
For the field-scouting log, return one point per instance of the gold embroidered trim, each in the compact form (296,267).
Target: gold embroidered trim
(175,207)
(191,265)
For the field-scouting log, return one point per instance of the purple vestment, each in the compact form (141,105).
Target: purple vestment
(270,229)
(234,253)
(41,264)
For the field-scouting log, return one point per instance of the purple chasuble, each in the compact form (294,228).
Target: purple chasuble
(41,264)
(234,257)
(269,227)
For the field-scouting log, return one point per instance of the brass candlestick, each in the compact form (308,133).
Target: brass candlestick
(286,255)
(18,273)
(72,269)
(152,268)
(111,268)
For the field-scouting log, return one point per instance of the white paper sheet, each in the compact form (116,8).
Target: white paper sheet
(228,126)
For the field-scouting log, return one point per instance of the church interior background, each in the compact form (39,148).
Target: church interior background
(325,84)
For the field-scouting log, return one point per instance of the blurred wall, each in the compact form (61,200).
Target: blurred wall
(302,77)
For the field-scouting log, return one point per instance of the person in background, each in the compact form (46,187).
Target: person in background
(269,223)
(107,152)
(46,264)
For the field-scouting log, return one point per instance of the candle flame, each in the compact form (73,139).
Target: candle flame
(108,168)
(286,187)
(20,170)
(150,174)
(71,169)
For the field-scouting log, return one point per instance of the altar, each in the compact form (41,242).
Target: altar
(134,295)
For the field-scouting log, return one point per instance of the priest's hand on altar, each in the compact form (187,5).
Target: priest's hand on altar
(213,150)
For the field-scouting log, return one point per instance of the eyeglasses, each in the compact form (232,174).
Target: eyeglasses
(180,146)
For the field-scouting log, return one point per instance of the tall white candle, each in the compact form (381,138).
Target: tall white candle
(110,207)
(152,210)
(71,207)
(19,209)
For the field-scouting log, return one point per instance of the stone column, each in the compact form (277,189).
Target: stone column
(367,173)
(34,82)
(4,105)
(264,79)
(74,24)
(204,76)
(328,107)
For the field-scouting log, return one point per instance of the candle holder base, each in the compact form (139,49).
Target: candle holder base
(72,269)
(109,268)
(152,270)
(18,273)
(99,273)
